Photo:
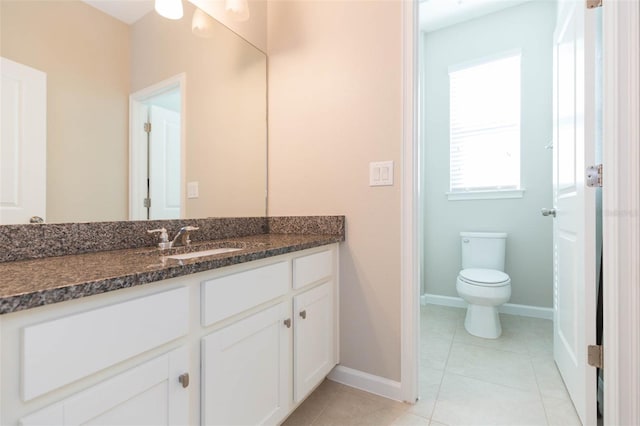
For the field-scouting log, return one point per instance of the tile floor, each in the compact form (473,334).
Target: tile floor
(464,380)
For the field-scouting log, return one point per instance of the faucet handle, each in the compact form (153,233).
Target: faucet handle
(164,237)
(185,236)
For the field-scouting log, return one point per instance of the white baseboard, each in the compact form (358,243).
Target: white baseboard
(367,382)
(507,308)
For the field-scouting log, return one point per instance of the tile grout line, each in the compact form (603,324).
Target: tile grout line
(544,407)
(444,371)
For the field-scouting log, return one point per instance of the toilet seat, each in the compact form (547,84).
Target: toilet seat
(484,277)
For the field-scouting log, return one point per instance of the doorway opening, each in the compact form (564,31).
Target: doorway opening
(156,149)
(447,350)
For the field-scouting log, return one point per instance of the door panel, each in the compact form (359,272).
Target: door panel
(574,224)
(148,394)
(313,338)
(23,143)
(246,370)
(164,163)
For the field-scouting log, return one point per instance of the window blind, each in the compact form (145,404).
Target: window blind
(485,125)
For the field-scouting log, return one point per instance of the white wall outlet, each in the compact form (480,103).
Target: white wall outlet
(381,173)
(192,190)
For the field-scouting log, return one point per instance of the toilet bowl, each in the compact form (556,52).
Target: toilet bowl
(482,282)
(484,290)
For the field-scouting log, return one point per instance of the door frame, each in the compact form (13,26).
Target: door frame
(621,204)
(621,207)
(137,139)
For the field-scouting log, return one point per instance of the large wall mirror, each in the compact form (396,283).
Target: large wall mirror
(204,95)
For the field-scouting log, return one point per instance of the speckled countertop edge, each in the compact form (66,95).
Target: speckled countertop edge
(32,283)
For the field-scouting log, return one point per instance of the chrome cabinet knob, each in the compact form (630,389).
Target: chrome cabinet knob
(184,380)
(548,212)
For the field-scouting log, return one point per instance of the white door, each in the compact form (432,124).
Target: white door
(149,394)
(246,370)
(164,163)
(313,338)
(574,224)
(23,143)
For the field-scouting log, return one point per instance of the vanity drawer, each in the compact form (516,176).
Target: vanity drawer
(312,268)
(58,352)
(232,294)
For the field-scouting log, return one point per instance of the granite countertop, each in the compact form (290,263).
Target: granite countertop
(31,283)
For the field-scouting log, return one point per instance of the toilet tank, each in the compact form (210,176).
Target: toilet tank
(485,250)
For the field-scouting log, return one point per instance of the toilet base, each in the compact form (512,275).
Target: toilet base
(483,321)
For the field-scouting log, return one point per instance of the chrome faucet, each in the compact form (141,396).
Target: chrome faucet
(184,233)
(164,236)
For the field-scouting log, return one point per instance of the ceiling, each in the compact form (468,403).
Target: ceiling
(128,11)
(437,14)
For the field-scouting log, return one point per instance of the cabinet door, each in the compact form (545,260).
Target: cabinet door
(246,370)
(314,339)
(149,394)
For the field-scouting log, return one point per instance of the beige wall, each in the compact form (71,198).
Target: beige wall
(226,109)
(334,106)
(87,102)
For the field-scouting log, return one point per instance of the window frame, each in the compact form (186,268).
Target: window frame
(496,192)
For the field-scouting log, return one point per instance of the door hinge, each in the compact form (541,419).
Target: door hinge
(147,127)
(147,202)
(592,4)
(594,176)
(595,356)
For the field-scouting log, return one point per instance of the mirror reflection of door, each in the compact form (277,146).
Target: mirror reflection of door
(164,163)
(156,149)
(23,143)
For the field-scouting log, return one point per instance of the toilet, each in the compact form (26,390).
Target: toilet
(482,282)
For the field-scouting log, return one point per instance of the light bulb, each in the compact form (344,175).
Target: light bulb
(237,9)
(170,9)
(202,24)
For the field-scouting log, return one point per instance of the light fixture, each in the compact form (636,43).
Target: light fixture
(202,24)
(170,9)
(238,10)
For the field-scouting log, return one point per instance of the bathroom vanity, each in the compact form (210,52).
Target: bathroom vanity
(234,338)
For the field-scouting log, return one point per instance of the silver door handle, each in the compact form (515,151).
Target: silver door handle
(548,212)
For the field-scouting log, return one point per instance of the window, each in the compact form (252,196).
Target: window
(485,128)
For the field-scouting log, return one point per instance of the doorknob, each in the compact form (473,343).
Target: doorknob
(548,212)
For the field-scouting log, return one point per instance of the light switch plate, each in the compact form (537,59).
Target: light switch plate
(192,190)
(381,173)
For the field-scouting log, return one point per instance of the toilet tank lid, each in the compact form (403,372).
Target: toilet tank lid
(485,276)
(484,234)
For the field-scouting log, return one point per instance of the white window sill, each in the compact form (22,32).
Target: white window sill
(496,194)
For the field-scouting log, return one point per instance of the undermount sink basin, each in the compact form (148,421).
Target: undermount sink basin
(203,253)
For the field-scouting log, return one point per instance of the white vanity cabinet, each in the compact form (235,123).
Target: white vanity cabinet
(60,346)
(147,394)
(314,338)
(258,368)
(238,345)
(246,370)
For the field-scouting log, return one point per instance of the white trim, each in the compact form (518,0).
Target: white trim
(492,194)
(507,308)
(436,299)
(367,382)
(410,261)
(621,204)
